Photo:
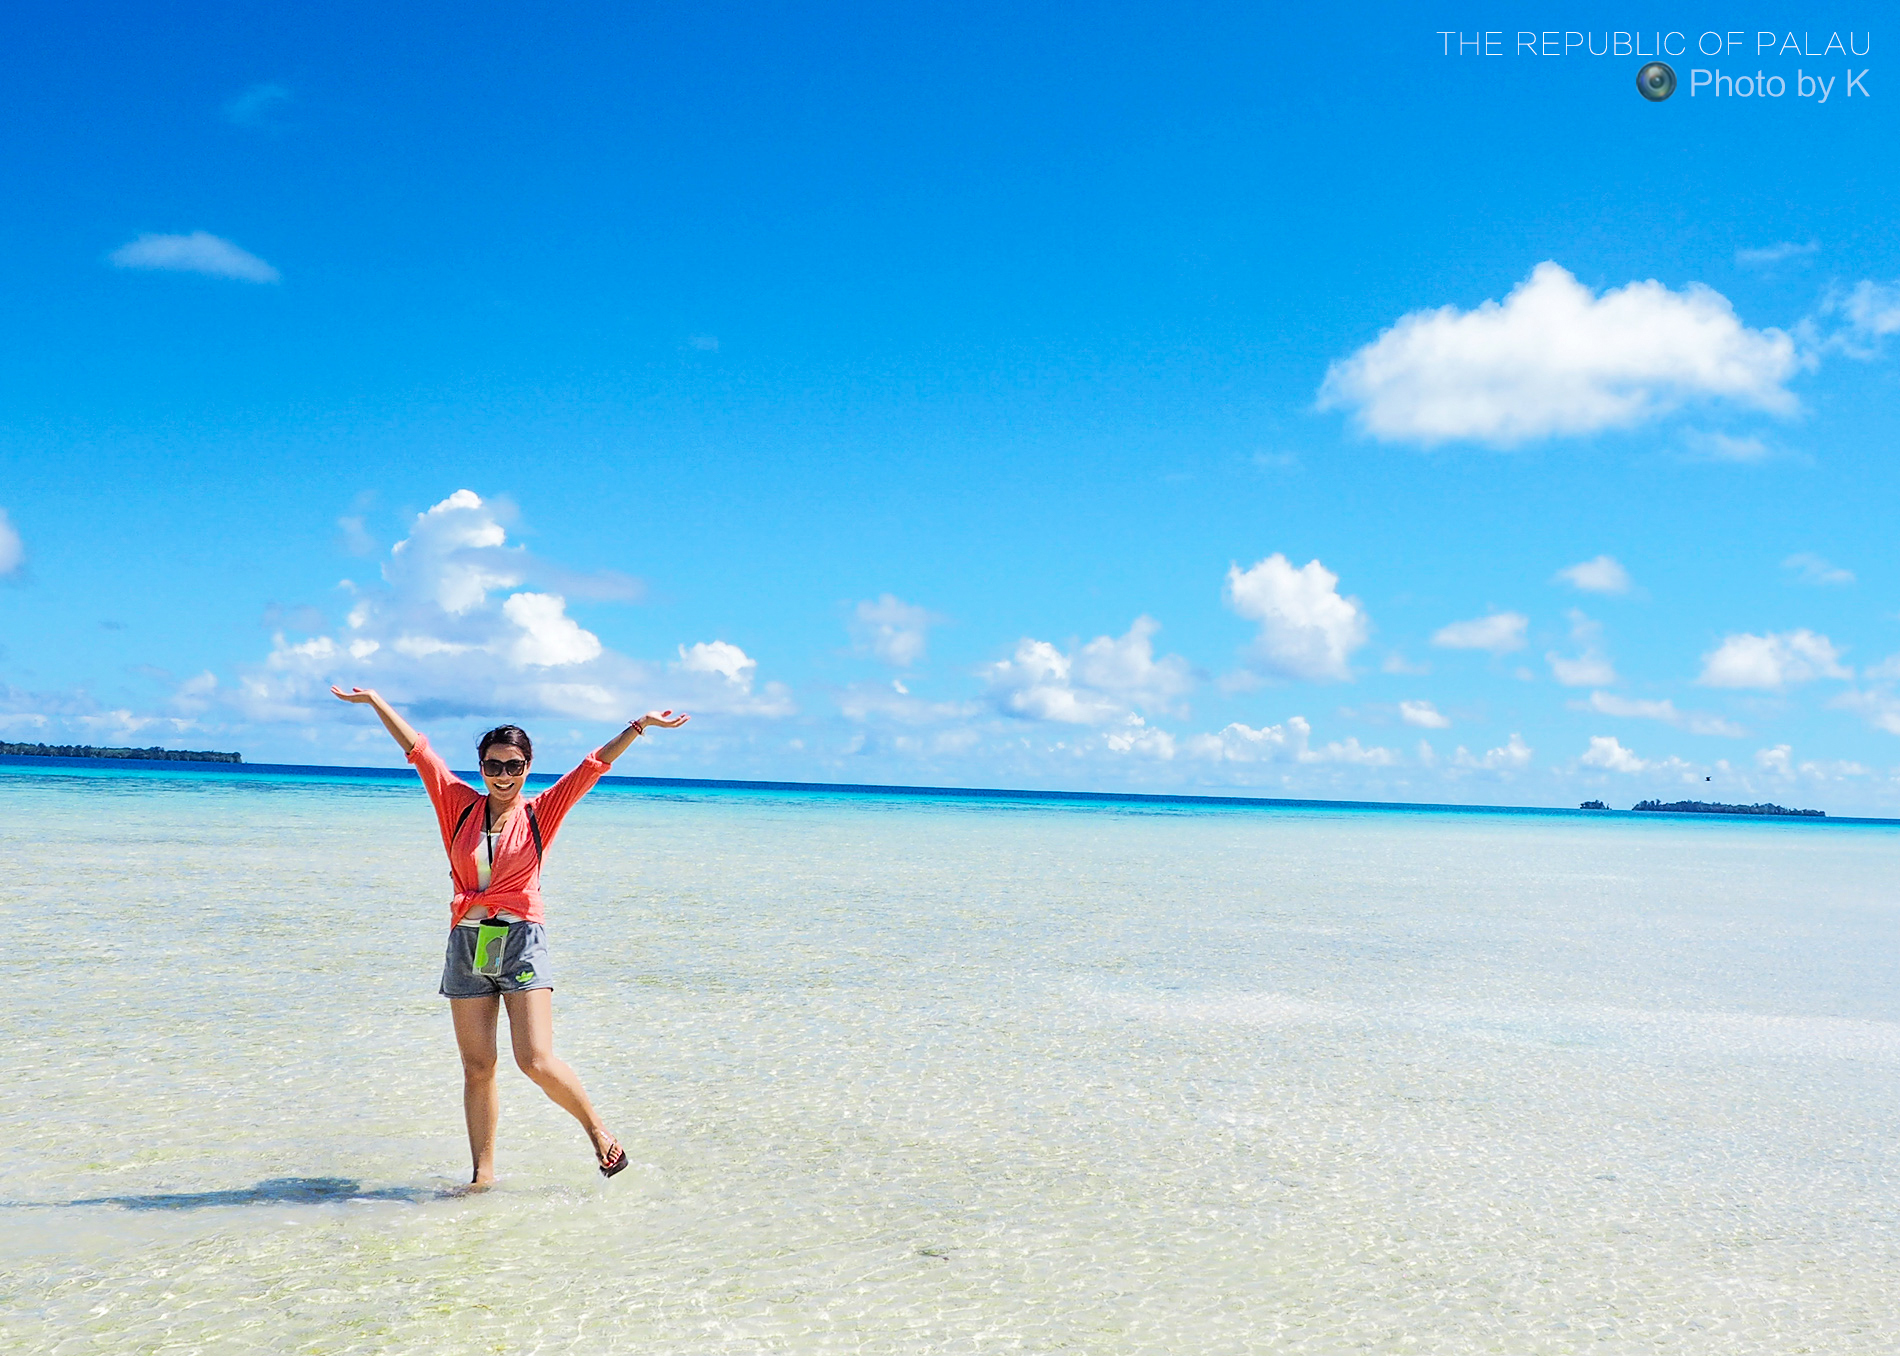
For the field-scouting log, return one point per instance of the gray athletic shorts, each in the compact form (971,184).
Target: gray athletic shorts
(524,963)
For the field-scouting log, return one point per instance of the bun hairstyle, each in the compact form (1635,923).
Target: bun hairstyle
(511,735)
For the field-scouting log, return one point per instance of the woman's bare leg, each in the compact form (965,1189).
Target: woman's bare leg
(531,1029)
(475,1038)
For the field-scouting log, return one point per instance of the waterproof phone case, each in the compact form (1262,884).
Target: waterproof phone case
(491,944)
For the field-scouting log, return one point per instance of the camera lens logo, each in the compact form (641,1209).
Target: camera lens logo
(1656,82)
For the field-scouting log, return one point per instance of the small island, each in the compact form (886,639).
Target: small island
(88,751)
(1703,807)
(1593,805)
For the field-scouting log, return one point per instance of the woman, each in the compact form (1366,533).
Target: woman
(497,950)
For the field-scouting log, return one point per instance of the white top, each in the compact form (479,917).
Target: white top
(484,869)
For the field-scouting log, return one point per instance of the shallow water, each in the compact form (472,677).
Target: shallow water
(903,1076)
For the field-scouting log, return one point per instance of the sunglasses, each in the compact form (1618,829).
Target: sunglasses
(494,767)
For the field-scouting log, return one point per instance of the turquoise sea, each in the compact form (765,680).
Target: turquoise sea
(915,1073)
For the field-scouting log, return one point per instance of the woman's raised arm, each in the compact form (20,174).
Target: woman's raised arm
(399,729)
(666,720)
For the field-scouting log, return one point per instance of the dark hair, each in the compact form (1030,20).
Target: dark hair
(512,735)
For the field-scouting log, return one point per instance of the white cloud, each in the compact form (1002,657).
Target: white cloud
(1603,574)
(893,630)
(1607,753)
(1779,762)
(1812,569)
(1104,682)
(451,549)
(1514,754)
(1775,760)
(894,702)
(1879,708)
(1774,254)
(436,638)
(1398,663)
(1871,311)
(12,549)
(720,657)
(1500,633)
(1590,667)
(1695,722)
(1555,359)
(1307,630)
(1771,662)
(1145,742)
(1424,715)
(1290,742)
(549,637)
(199,252)
(1746,451)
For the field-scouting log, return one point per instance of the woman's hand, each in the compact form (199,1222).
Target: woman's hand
(399,729)
(666,720)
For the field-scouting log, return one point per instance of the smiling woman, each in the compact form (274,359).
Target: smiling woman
(497,948)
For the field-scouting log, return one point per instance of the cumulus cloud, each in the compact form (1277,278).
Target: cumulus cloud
(1499,633)
(1513,755)
(1556,359)
(892,629)
(720,657)
(549,637)
(1424,715)
(1812,569)
(12,549)
(1602,574)
(1695,722)
(1106,681)
(1289,742)
(452,631)
(1589,667)
(1772,662)
(198,252)
(1608,753)
(1307,630)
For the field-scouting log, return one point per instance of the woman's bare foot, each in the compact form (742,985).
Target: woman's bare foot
(608,1155)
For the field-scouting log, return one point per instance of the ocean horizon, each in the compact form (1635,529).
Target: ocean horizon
(319,772)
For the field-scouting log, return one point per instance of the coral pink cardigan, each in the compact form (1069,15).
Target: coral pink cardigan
(515,882)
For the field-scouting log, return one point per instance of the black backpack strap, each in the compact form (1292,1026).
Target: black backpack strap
(467,810)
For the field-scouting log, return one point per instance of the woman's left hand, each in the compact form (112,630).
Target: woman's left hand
(666,720)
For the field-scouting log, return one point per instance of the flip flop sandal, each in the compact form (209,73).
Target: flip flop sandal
(615,1162)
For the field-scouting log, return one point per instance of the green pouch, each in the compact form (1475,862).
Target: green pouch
(491,944)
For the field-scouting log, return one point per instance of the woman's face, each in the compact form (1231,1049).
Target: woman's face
(504,768)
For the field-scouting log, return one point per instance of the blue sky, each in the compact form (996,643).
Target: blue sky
(1099,397)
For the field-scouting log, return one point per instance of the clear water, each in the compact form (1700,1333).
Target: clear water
(903,1076)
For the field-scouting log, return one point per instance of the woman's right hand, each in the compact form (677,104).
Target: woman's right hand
(355,694)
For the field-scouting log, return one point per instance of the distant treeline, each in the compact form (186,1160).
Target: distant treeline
(88,751)
(1703,807)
